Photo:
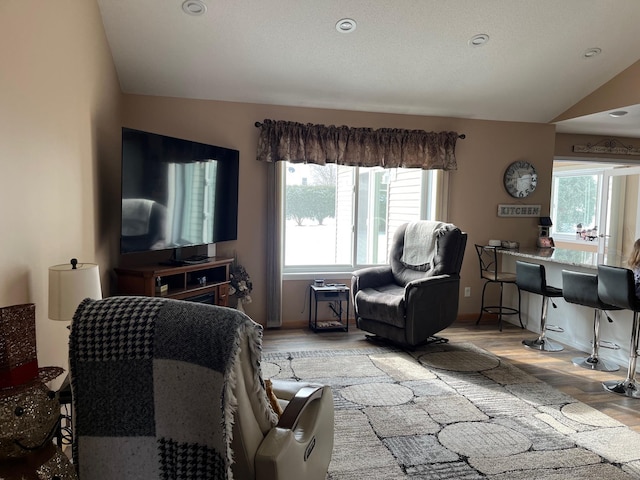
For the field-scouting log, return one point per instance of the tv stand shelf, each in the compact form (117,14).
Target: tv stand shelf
(203,282)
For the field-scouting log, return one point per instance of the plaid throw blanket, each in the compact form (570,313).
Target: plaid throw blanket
(152,382)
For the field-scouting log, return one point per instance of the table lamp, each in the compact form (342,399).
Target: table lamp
(69,284)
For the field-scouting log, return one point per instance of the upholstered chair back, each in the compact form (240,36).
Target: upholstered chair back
(449,244)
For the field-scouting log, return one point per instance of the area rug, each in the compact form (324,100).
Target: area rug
(455,411)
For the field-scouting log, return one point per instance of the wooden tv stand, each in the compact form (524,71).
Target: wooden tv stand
(184,282)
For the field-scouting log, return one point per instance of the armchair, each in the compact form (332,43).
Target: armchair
(416,295)
(172,389)
(143,225)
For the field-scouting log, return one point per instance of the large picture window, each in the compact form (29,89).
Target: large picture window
(338,218)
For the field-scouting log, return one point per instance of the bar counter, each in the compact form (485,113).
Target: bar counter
(576,320)
(567,257)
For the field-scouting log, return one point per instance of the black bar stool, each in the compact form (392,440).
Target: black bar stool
(616,286)
(488,256)
(532,278)
(582,289)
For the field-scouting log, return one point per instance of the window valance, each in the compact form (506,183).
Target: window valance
(366,147)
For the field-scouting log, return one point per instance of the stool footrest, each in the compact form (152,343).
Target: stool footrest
(498,310)
(609,345)
(554,328)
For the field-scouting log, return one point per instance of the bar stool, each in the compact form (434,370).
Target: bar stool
(582,289)
(616,286)
(532,278)
(488,257)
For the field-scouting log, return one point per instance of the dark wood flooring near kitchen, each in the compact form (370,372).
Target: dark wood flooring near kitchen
(554,368)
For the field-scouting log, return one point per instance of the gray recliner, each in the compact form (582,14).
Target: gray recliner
(416,295)
(143,225)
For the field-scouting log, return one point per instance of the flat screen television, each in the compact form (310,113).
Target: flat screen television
(176,193)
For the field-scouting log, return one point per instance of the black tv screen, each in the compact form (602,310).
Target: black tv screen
(176,193)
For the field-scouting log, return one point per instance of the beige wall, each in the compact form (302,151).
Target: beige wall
(59,100)
(475,188)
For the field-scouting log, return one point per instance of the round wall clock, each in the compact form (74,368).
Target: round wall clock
(520,179)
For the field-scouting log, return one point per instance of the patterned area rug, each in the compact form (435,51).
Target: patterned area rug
(455,411)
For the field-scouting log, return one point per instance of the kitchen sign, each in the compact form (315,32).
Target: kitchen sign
(519,210)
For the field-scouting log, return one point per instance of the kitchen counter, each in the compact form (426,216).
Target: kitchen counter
(565,256)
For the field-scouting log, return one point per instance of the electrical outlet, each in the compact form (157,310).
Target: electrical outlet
(467,291)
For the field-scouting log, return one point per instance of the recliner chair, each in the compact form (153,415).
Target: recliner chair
(173,389)
(143,225)
(416,295)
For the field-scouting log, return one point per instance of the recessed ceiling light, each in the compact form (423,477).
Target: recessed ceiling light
(618,113)
(194,7)
(346,25)
(478,40)
(592,52)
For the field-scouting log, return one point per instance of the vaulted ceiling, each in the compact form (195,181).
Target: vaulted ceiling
(404,56)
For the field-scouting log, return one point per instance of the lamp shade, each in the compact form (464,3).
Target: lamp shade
(69,284)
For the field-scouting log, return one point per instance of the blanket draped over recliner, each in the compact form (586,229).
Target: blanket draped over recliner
(150,416)
(420,242)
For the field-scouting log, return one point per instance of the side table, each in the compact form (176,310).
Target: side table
(336,294)
(64,433)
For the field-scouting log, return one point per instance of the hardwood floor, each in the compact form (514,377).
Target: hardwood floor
(555,369)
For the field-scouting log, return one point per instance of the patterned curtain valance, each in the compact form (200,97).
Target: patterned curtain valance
(366,147)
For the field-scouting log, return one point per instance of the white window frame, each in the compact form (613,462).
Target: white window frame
(434,205)
(572,172)
(604,168)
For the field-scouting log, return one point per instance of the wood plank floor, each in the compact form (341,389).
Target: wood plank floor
(555,369)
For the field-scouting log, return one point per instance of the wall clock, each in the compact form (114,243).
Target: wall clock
(520,179)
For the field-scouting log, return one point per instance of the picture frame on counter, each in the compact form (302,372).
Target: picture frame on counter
(506,210)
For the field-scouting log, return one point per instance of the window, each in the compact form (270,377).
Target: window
(575,206)
(596,205)
(191,202)
(338,218)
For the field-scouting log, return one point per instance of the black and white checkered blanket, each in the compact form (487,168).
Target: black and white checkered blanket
(152,383)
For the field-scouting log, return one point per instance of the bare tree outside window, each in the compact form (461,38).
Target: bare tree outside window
(576,202)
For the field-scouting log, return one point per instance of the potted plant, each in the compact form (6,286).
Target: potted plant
(241,285)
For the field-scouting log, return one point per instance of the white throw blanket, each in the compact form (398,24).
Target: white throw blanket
(420,242)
